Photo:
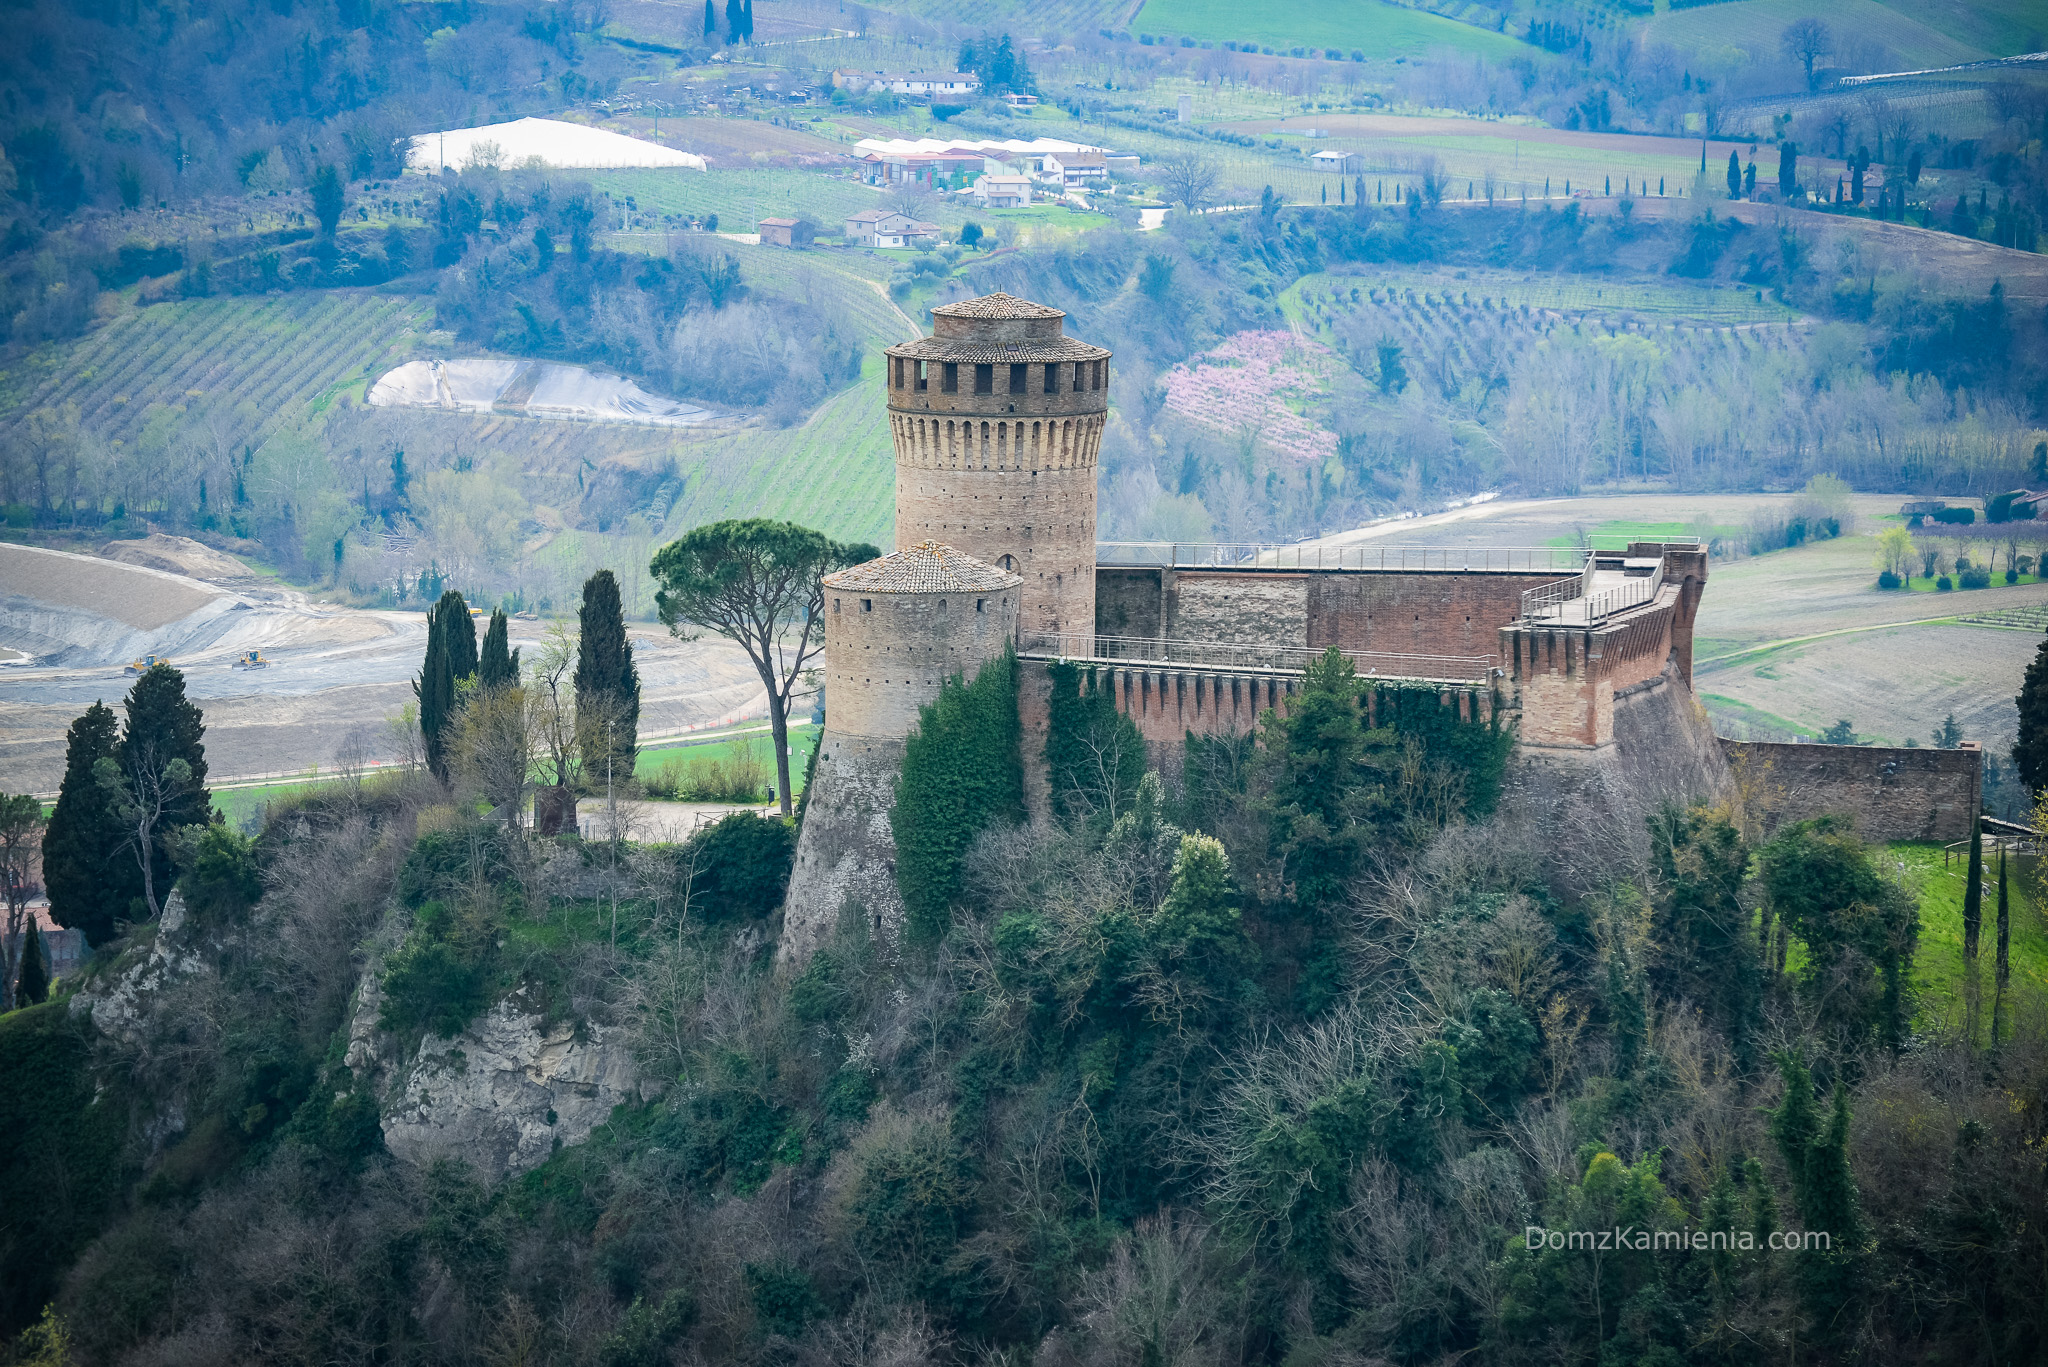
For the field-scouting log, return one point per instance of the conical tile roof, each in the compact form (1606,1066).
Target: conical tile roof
(928,567)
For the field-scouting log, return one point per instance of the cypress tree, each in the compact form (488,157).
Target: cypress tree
(89,888)
(607,683)
(2030,745)
(162,726)
(32,988)
(747,14)
(710,19)
(1734,177)
(497,663)
(1973,898)
(459,628)
(734,23)
(1795,1123)
(2002,974)
(435,689)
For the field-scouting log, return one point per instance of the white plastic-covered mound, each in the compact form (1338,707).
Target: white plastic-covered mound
(535,389)
(569,145)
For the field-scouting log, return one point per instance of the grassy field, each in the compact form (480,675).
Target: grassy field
(2004,28)
(1720,305)
(741,197)
(1523,159)
(803,738)
(1754,25)
(836,472)
(1938,966)
(1370,26)
(285,357)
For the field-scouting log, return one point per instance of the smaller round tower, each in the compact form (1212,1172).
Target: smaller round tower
(895,630)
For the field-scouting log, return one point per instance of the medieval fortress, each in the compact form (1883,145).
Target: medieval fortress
(997,420)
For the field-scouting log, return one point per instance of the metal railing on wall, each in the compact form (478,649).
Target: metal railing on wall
(1564,604)
(1252,555)
(1149,650)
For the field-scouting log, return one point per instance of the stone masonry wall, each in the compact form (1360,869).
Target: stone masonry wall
(1893,793)
(888,654)
(1439,612)
(1037,521)
(1240,609)
(1414,612)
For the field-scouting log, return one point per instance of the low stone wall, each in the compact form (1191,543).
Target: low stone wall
(1893,793)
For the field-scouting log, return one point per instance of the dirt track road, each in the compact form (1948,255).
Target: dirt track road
(336,673)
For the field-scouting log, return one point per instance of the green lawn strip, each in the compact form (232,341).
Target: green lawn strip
(1932,585)
(1736,710)
(1938,962)
(754,737)
(1614,535)
(1381,30)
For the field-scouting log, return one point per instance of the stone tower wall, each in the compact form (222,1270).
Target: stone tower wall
(1008,476)
(888,654)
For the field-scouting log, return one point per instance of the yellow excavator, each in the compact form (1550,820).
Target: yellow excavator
(251,659)
(146,663)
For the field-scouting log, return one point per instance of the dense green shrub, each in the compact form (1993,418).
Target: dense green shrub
(738,866)
(220,878)
(441,977)
(1094,755)
(62,1146)
(784,1296)
(963,771)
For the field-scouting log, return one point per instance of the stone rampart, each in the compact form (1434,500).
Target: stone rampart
(1893,793)
(1407,612)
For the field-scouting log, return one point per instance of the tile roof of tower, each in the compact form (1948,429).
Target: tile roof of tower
(973,352)
(928,567)
(995,306)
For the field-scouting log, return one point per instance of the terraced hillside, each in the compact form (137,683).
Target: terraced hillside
(835,472)
(285,358)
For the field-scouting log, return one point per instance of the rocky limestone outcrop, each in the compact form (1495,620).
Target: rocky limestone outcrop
(501,1095)
(119,1002)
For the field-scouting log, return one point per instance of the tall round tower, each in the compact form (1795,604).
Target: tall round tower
(895,630)
(997,418)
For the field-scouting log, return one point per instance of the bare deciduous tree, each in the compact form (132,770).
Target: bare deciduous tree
(1189,180)
(1806,41)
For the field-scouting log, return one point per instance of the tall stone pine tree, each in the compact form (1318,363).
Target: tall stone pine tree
(497,664)
(32,987)
(89,888)
(2030,746)
(451,657)
(607,683)
(162,726)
